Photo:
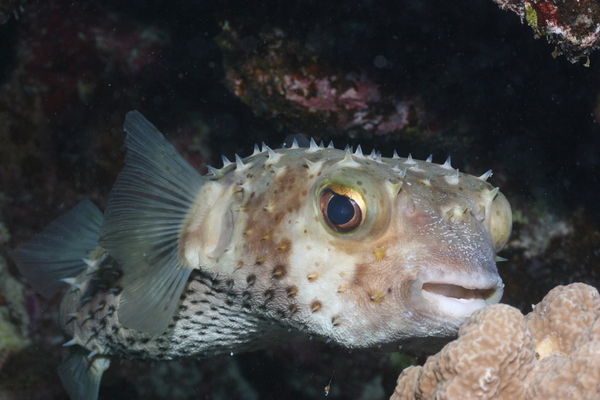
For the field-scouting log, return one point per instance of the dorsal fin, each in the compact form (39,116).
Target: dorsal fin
(59,251)
(301,141)
(146,210)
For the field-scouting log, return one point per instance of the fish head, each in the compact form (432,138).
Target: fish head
(363,251)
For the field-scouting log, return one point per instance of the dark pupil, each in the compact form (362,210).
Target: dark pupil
(340,209)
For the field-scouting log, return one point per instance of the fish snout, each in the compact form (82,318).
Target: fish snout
(454,297)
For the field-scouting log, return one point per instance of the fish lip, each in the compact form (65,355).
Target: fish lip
(457,296)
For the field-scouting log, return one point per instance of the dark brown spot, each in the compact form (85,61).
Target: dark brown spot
(284,246)
(315,306)
(335,320)
(251,279)
(376,296)
(293,308)
(291,291)
(269,294)
(279,271)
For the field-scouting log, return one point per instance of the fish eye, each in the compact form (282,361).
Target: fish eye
(341,208)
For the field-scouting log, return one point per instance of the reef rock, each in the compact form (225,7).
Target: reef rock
(551,353)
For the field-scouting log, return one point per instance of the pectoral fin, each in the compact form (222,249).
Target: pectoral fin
(147,208)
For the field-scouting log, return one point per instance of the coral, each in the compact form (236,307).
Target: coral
(282,79)
(548,248)
(552,353)
(14,317)
(572,25)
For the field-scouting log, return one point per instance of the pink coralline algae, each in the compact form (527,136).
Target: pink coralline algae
(572,25)
(281,79)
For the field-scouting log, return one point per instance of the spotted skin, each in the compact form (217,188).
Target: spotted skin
(289,276)
(246,257)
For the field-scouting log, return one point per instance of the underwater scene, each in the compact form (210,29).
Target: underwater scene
(299,199)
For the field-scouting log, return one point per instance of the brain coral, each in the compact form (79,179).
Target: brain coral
(551,353)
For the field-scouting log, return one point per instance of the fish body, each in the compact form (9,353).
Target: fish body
(362,251)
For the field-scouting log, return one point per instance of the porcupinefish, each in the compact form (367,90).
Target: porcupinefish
(362,251)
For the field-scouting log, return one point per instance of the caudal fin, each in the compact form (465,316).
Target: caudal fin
(146,211)
(81,376)
(58,252)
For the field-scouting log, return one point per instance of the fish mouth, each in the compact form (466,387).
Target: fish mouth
(457,292)
(459,298)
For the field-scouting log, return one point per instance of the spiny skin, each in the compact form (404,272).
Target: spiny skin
(421,260)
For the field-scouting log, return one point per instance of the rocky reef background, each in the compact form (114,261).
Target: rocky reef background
(461,78)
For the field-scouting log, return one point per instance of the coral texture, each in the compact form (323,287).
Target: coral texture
(552,353)
(572,25)
(14,318)
(282,79)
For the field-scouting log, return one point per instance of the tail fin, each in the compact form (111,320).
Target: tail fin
(143,219)
(58,251)
(81,376)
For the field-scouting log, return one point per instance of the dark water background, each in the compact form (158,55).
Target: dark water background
(485,91)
